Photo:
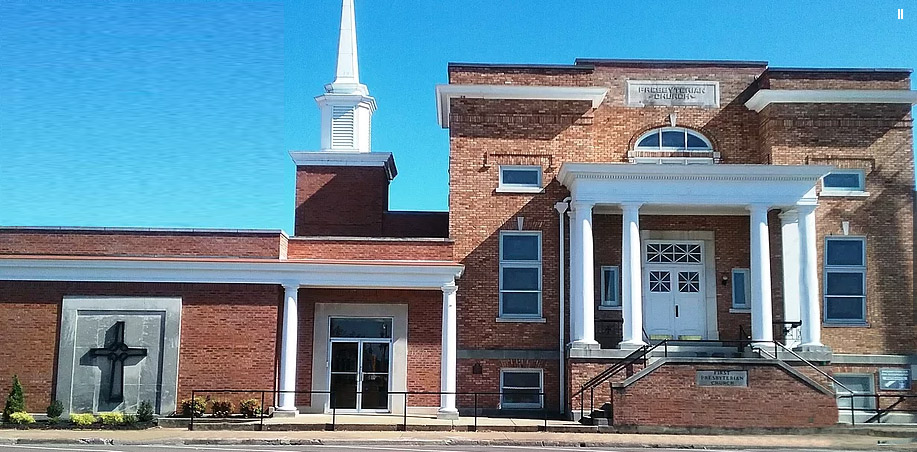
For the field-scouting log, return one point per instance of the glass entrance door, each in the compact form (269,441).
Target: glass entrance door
(360,366)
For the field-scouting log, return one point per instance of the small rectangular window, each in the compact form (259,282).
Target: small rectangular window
(517,178)
(521,388)
(844,181)
(741,290)
(859,385)
(610,288)
(845,280)
(520,274)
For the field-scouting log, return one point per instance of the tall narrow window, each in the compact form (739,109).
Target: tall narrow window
(610,298)
(845,280)
(520,274)
(741,291)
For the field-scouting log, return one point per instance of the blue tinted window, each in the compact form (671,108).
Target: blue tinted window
(844,252)
(523,247)
(849,181)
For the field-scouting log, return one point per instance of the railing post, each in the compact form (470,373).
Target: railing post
(191,424)
(591,400)
(582,394)
(544,410)
(334,411)
(475,411)
(261,412)
(853,416)
(405,414)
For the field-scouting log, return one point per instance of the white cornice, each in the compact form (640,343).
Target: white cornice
(343,158)
(765,97)
(445,93)
(625,171)
(369,274)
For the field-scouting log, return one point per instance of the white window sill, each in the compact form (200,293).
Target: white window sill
(521,320)
(844,194)
(609,308)
(527,190)
(740,310)
(846,325)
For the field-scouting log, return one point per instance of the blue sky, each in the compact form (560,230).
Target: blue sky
(174,113)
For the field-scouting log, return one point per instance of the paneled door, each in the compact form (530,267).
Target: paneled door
(673,290)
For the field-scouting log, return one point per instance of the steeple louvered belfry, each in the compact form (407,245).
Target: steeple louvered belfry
(347,107)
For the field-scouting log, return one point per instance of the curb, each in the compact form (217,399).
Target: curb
(443,442)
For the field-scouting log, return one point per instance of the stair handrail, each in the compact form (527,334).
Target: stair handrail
(805,361)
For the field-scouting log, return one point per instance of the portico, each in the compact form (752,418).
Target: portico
(635,190)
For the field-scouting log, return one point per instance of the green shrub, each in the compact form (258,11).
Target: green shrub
(22,418)
(114,418)
(55,409)
(197,406)
(145,411)
(15,401)
(250,408)
(221,408)
(129,419)
(82,420)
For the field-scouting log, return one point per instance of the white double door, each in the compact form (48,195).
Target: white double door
(674,290)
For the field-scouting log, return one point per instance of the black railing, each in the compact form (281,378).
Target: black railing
(877,408)
(642,354)
(405,395)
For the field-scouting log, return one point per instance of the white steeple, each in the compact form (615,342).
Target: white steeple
(346,105)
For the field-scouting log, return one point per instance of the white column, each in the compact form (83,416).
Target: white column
(631,277)
(762,327)
(288,343)
(583,297)
(810,295)
(789,232)
(447,408)
(575,277)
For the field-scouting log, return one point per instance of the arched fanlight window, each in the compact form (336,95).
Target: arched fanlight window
(673,139)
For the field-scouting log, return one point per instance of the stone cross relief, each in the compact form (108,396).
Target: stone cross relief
(117,352)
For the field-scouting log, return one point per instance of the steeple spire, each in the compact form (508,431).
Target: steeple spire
(346,105)
(347,76)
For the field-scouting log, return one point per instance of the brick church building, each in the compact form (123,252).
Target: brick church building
(650,242)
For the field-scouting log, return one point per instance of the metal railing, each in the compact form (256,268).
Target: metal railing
(879,411)
(474,396)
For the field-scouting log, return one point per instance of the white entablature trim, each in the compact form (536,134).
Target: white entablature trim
(446,92)
(696,185)
(343,158)
(371,274)
(765,97)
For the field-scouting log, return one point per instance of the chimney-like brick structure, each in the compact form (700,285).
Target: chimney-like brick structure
(341,200)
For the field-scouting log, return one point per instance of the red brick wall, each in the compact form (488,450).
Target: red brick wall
(424,335)
(877,139)
(369,249)
(340,200)
(415,224)
(74,242)
(489,381)
(228,333)
(669,396)
(777,79)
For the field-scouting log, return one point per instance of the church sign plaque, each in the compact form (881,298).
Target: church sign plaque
(673,93)
(720,378)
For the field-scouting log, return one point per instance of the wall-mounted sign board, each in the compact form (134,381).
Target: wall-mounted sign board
(723,378)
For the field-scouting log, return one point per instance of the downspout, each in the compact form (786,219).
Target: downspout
(561,208)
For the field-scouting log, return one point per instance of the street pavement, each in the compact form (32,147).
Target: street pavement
(332,448)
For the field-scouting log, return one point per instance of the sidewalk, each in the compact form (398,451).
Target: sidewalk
(171,436)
